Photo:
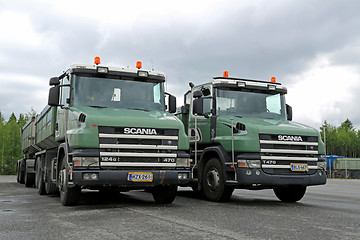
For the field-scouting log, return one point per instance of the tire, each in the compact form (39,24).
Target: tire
(357,174)
(29,178)
(213,182)
(164,194)
(290,194)
(69,196)
(50,187)
(39,178)
(20,176)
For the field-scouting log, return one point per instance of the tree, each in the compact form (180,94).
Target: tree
(10,142)
(343,140)
(12,152)
(2,144)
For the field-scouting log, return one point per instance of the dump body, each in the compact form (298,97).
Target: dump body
(347,167)
(45,128)
(28,145)
(347,163)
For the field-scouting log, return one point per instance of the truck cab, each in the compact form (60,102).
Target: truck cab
(242,135)
(109,128)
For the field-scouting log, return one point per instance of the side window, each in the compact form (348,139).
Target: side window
(206,96)
(187,98)
(157,95)
(65,90)
(207,105)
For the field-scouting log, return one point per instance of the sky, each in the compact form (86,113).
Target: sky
(312,47)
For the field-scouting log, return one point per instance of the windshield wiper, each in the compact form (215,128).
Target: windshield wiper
(95,106)
(141,109)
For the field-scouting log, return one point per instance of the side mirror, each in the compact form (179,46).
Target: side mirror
(206,91)
(54,81)
(53,99)
(197,94)
(198,106)
(289,112)
(172,104)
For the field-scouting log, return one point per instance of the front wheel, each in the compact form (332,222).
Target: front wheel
(213,182)
(69,196)
(290,194)
(164,194)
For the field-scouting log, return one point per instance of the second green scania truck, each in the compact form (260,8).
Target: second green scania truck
(106,128)
(242,136)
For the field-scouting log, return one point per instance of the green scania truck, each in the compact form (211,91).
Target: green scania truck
(242,136)
(106,128)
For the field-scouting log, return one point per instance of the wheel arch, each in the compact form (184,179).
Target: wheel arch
(62,151)
(209,153)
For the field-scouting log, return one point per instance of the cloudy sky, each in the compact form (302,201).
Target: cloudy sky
(312,47)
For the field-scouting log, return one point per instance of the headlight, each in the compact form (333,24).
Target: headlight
(321,165)
(249,163)
(86,161)
(183,162)
(253,163)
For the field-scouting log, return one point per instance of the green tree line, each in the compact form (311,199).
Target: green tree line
(10,144)
(343,140)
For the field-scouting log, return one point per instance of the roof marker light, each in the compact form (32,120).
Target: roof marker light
(241,84)
(97,60)
(226,74)
(273,79)
(138,65)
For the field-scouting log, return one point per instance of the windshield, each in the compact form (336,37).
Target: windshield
(250,104)
(115,93)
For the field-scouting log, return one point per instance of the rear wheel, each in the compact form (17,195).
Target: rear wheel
(50,187)
(69,196)
(214,182)
(39,178)
(164,194)
(290,194)
(20,175)
(29,178)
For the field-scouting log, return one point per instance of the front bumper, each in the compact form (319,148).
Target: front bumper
(259,179)
(119,178)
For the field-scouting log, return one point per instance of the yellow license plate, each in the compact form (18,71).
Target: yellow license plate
(140,176)
(299,167)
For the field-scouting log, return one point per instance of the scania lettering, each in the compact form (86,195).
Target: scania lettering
(139,131)
(106,128)
(289,138)
(242,135)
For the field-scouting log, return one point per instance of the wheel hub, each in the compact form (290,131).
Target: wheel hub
(213,179)
(61,179)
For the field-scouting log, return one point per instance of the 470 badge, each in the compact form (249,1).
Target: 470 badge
(140,176)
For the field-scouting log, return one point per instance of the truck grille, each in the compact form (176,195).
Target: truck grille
(279,152)
(138,147)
